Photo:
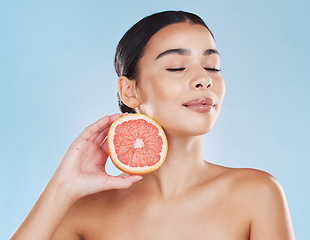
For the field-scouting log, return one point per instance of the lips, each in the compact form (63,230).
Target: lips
(203,104)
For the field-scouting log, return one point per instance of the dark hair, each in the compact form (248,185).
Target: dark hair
(131,47)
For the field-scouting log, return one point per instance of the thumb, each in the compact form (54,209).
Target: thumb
(116,182)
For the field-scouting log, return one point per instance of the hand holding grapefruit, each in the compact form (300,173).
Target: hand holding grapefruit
(137,144)
(82,169)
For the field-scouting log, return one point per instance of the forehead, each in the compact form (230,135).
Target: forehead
(180,35)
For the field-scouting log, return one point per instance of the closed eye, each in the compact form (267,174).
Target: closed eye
(213,69)
(175,69)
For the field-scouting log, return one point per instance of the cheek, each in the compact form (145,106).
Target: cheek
(223,89)
(159,90)
(220,88)
(159,99)
(169,91)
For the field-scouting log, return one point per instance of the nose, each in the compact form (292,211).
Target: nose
(201,85)
(202,80)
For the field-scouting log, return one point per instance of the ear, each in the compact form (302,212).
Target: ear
(127,91)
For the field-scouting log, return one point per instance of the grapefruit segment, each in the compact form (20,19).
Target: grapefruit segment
(137,144)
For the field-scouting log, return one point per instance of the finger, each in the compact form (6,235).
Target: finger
(98,139)
(116,116)
(96,127)
(104,146)
(101,136)
(115,182)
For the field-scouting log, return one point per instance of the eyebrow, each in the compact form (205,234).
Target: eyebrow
(210,52)
(183,51)
(180,51)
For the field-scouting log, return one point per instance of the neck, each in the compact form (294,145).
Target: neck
(181,168)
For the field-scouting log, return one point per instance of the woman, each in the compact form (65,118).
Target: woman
(169,69)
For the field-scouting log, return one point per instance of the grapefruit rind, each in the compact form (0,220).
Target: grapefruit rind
(135,170)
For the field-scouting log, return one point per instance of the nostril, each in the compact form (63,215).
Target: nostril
(199,85)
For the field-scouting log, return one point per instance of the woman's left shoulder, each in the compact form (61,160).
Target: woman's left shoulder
(263,193)
(260,197)
(249,183)
(264,200)
(245,177)
(255,181)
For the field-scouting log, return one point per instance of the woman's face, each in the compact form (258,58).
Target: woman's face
(179,84)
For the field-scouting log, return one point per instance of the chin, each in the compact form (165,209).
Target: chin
(201,126)
(189,130)
(202,131)
(187,125)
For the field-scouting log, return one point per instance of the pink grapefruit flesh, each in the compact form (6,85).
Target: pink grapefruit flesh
(137,144)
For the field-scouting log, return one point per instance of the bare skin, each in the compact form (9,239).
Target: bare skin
(80,173)
(187,197)
(215,203)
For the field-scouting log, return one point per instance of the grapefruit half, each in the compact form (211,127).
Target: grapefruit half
(137,144)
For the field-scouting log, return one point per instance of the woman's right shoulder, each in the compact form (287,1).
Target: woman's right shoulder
(85,214)
(94,202)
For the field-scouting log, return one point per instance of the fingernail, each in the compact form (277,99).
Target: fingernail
(138,179)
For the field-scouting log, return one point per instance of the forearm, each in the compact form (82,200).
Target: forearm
(80,173)
(45,216)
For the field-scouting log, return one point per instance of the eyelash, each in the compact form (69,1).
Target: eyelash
(182,69)
(175,69)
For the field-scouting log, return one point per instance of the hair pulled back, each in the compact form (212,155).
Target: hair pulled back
(131,47)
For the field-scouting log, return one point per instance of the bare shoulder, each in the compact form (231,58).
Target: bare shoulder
(263,198)
(88,216)
(252,181)
(257,180)
(246,186)
(258,186)
(83,217)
